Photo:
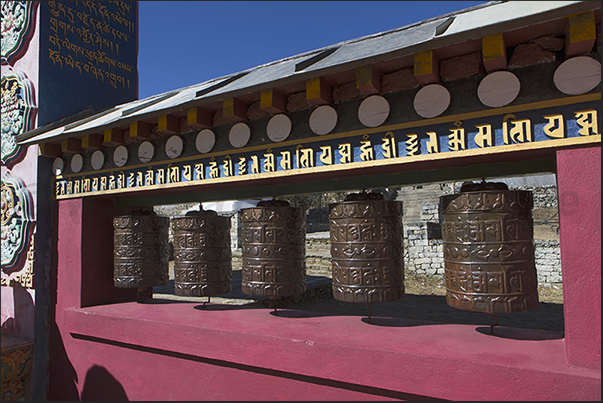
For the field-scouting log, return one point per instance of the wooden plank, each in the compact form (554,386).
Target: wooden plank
(260,189)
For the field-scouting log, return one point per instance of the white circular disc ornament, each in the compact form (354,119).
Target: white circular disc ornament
(120,156)
(498,89)
(77,163)
(146,151)
(239,135)
(206,139)
(323,119)
(279,127)
(432,100)
(97,160)
(577,75)
(174,146)
(57,166)
(373,111)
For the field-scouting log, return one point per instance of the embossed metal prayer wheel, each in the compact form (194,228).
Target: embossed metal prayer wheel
(367,261)
(140,251)
(202,254)
(489,249)
(273,249)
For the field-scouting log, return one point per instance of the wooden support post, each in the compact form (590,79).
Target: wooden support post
(494,53)
(198,118)
(50,149)
(426,68)
(92,141)
(113,137)
(71,146)
(273,101)
(140,131)
(168,124)
(368,80)
(581,34)
(234,110)
(318,91)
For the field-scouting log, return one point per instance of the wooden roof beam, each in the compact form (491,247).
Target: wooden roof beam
(581,34)
(234,109)
(318,91)
(140,131)
(50,149)
(198,118)
(71,146)
(368,80)
(168,124)
(92,141)
(426,67)
(113,137)
(494,53)
(273,101)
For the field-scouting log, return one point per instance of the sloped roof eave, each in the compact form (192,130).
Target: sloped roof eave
(479,20)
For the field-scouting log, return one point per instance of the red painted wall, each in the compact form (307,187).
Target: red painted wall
(105,346)
(579,190)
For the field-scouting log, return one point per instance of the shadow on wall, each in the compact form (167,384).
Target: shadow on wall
(101,385)
(21,325)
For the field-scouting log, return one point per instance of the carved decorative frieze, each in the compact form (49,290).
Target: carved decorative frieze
(17,223)
(17,112)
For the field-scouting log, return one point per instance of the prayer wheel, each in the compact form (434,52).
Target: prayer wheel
(489,262)
(141,251)
(202,254)
(367,261)
(273,249)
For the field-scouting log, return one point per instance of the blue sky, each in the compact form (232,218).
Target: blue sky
(188,42)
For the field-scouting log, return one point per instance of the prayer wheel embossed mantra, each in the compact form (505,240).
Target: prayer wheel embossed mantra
(367,249)
(140,250)
(202,254)
(273,249)
(489,249)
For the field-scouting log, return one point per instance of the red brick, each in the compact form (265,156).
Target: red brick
(550,43)
(463,66)
(346,92)
(528,54)
(399,80)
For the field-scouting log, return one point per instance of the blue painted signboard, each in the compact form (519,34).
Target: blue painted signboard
(88,57)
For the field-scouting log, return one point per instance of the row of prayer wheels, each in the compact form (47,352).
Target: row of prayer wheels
(488,250)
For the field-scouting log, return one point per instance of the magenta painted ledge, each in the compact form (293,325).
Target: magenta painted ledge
(415,357)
